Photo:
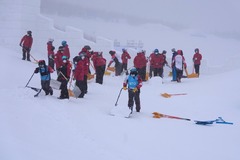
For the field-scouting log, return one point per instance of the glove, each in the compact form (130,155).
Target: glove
(124,88)
(135,90)
(36,70)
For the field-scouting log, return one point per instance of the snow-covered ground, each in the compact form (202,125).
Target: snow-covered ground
(45,128)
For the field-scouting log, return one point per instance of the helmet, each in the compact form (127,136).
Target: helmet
(41,63)
(124,49)
(164,51)
(29,32)
(133,72)
(64,43)
(156,51)
(173,50)
(87,47)
(196,50)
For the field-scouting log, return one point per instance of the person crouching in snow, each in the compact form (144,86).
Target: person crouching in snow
(45,71)
(134,82)
(63,77)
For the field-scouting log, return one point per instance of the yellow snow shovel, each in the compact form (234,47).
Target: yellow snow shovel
(111,69)
(166,95)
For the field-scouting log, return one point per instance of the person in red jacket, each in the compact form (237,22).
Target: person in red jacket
(125,57)
(197,57)
(79,75)
(100,64)
(140,63)
(64,76)
(157,61)
(58,57)
(50,50)
(26,44)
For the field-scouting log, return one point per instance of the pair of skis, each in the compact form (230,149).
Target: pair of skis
(219,120)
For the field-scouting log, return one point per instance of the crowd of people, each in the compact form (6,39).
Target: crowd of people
(79,68)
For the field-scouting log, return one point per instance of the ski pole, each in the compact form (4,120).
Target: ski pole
(30,79)
(118,96)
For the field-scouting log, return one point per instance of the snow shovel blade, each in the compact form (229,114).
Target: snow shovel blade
(107,73)
(76,91)
(90,76)
(193,75)
(166,95)
(70,92)
(111,69)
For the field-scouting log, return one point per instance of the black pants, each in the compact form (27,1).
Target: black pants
(51,62)
(124,66)
(151,71)
(118,69)
(179,74)
(197,67)
(134,96)
(46,87)
(142,73)
(158,72)
(26,53)
(81,86)
(100,73)
(64,90)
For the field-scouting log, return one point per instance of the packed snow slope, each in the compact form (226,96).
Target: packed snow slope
(48,128)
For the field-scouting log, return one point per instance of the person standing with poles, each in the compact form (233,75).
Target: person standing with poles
(45,71)
(134,82)
(197,57)
(26,44)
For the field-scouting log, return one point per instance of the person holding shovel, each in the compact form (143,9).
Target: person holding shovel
(26,44)
(197,57)
(64,72)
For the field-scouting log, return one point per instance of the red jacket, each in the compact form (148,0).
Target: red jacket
(99,61)
(66,51)
(79,71)
(50,49)
(157,60)
(197,57)
(125,56)
(140,60)
(58,59)
(26,41)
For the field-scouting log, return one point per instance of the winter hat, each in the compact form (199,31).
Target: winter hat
(41,63)
(196,50)
(60,48)
(112,52)
(173,50)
